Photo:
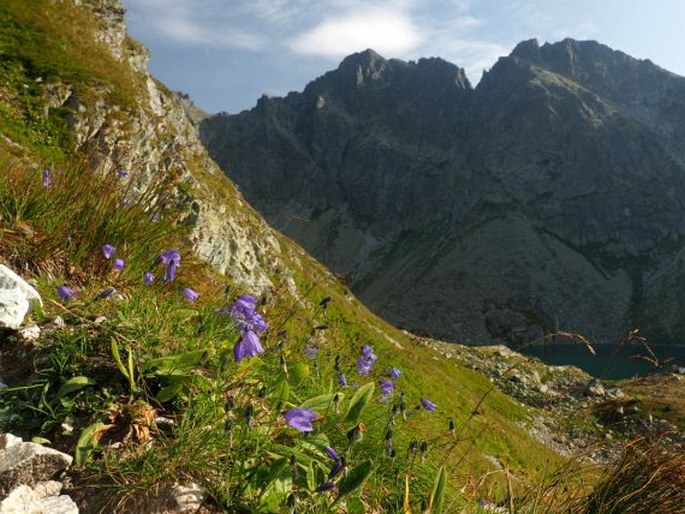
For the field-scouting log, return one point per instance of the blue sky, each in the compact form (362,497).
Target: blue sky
(227,53)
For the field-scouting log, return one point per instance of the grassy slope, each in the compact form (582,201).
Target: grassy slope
(43,41)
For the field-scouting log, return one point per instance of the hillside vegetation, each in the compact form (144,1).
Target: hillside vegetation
(182,341)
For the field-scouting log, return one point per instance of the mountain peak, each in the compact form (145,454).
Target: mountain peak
(364,67)
(529,49)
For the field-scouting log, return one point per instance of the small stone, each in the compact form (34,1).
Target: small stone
(58,322)
(595,388)
(188,497)
(46,489)
(29,333)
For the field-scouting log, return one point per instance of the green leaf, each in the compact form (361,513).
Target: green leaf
(311,476)
(435,503)
(278,485)
(297,373)
(281,391)
(41,440)
(87,442)
(322,403)
(117,358)
(355,479)
(359,401)
(72,385)
(174,364)
(169,392)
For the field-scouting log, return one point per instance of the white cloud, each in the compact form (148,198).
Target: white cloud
(186,31)
(196,22)
(390,33)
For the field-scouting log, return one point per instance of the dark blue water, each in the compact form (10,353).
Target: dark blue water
(601,364)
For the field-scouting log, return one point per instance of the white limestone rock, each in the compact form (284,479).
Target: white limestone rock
(28,464)
(16,296)
(43,499)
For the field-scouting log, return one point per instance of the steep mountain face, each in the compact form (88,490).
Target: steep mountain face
(549,197)
(115,115)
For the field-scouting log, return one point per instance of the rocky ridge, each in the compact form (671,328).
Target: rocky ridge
(549,197)
(155,138)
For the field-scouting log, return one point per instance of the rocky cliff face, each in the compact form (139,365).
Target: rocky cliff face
(550,196)
(152,136)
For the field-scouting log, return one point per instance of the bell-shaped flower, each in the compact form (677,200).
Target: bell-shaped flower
(428,405)
(65,293)
(108,250)
(190,294)
(300,419)
(248,346)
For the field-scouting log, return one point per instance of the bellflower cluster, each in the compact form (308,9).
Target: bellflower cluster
(250,324)
(366,360)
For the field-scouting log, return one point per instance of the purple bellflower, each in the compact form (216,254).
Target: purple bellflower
(47,179)
(428,405)
(326,486)
(119,264)
(108,250)
(171,259)
(342,380)
(366,360)
(300,419)
(248,346)
(65,293)
(190,294)
(311,351)
(250,323)
(386,386)
(148,277)
(394,373)
(332,454)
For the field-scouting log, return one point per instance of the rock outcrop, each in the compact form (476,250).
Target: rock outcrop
(551,196)
(152,137)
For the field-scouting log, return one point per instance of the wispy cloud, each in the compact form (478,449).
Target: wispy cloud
(387,32)
(186,31)
(196,22)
